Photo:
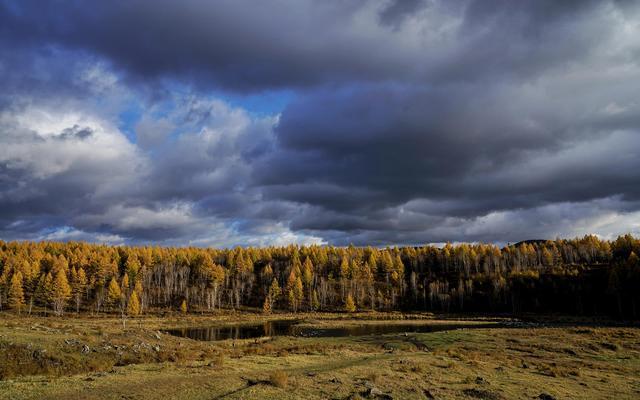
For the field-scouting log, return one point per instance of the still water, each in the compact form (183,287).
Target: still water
(292,328)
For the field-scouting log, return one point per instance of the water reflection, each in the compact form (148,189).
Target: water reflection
(269,328)
(292,328)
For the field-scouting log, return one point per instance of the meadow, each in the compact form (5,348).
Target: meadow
(96,357)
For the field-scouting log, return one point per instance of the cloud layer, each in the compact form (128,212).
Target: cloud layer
(405,122)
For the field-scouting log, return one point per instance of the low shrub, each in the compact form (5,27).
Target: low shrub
(279,379)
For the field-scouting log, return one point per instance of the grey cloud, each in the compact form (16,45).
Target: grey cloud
(75,131)
(49,176)
(72,175)
(411,121)
(212,154)
(397,10)
(151,133)
(455,154)
(449,143)
(243,45)
(608,217)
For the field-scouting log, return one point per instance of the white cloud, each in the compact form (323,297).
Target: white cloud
(66,233)
(46,142)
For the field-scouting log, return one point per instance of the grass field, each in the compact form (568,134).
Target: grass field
(96,358)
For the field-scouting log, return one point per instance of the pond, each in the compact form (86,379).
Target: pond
(293,328)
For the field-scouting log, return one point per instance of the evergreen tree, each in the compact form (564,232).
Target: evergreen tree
(183,306)
(139,291)
(349,304)
(133,307)
(547,257)
(424,277)
(114,294)
(274,293)
(267,272)
(315,304)
(292,296)
(4,283)
(61,292)
(78,286)
(298,292)
(398,266)
(274,290)
(307,276)
(132,266)
(124,285)
(44,290)
(345,269)
(15,296)
(292,301)
(307,271)
(266,306)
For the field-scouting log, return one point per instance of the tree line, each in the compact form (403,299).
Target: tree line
(582,276)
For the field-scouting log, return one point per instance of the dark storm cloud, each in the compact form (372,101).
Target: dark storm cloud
(445,143)
(236,44)
(249,45)
(410,121)
(371,152)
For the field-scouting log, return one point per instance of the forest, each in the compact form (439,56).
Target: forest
(582,276)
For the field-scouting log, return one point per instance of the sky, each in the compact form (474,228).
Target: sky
(255,123)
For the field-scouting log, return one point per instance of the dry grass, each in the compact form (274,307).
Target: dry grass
(43,359)
(218,361)
(373,377)
(279,379)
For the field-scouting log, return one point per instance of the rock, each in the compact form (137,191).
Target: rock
(85,349)
(481,381)
(546,396)
(428,394)
(374,393)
